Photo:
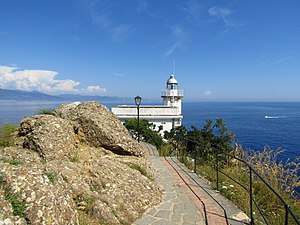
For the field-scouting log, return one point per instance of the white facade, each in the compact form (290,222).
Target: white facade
(167,115)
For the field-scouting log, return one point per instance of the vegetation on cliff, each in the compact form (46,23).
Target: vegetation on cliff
(198,149)
(148,131)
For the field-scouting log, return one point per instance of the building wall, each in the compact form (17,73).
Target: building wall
(165,116)
(146,110)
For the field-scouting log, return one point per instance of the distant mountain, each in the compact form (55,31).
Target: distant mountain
(19,95)
(82,98)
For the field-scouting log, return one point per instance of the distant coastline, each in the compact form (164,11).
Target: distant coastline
(19,95)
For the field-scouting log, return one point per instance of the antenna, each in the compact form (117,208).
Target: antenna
(173,72)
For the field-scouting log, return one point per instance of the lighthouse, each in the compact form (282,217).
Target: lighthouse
(172,95)
(168,115)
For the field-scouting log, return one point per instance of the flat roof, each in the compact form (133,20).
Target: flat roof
(144,106)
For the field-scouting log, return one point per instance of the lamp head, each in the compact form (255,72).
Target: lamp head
(137,100)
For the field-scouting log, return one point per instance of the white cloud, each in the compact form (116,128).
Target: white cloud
(94,90)
(41,80)
(207,93)
(180,38)
(221,13)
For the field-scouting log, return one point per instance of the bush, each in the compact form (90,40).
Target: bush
(148,132)
(18,206)
(215,139)
(52,176)
(6,135)
(46,111)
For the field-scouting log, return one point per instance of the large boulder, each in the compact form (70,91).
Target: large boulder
(99,187)
(51,137)
(65,170)
(100,127)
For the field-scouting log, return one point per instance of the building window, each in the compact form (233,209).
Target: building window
(163,122)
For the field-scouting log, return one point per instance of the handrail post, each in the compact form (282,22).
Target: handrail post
(286,221)
(251,197)
(217,170)
(195,158)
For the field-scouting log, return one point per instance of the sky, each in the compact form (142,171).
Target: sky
(229,50)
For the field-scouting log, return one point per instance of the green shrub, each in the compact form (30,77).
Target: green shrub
(46,111)
(52,176)
(18,206)
(215,139)
(147,131)
(11,161)
(1,180)
(6,135)
(87,207)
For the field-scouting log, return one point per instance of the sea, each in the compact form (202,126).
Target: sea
(256,125)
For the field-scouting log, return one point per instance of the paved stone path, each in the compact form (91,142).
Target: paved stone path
(176,207)
(186,198)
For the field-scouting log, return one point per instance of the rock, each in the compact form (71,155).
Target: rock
(101,127)
(61,175)
(241,216)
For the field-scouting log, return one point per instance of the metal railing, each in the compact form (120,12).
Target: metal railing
(253,175)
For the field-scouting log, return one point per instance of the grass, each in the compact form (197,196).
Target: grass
(17,205)
(46,111)
(11,161)
(142,170)
(282,176)
(89,201)
(75,157)
(6,135)
(1,180)
(14,199)
(52,176)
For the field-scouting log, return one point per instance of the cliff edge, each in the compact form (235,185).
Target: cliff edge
(78,166)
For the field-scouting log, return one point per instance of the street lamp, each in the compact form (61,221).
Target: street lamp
(138,101)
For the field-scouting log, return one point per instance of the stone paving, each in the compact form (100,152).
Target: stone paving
(176,207)
(187,199)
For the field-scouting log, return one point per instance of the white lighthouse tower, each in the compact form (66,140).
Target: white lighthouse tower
(172,95)
(167,116)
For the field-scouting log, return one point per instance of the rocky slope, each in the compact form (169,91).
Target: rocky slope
(79,166)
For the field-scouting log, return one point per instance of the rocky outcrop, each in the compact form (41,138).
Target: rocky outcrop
(65,170)
(100,127)
(53,138)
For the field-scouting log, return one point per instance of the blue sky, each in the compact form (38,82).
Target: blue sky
(224,50)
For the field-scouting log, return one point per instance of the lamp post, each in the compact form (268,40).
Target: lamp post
(138,101)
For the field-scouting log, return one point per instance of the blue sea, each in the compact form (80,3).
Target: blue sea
(255,124)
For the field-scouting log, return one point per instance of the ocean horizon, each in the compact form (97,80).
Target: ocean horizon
(255,124)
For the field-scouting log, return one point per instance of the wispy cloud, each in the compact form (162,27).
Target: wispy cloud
(42,80)
(180,38)
(221,13)
(120,32)
(193,9)
(268,60)
(119,74)
(102,14)
(207,93)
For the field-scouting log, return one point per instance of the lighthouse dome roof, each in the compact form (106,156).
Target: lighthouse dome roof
(172,80)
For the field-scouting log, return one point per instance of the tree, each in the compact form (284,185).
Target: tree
(148,132)
(212,138)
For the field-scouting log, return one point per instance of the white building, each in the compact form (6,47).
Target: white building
(167,115)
